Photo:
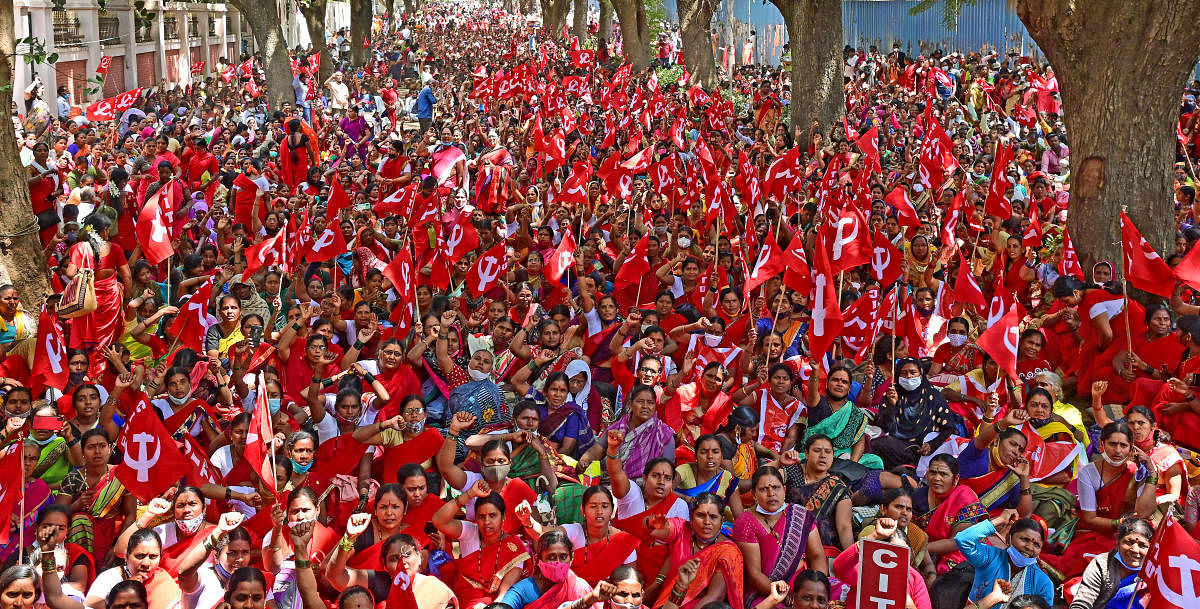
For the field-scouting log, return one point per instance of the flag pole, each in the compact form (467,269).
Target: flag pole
(1137,579)
(21,521)
(1125,303)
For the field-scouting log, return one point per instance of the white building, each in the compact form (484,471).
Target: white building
(182,34)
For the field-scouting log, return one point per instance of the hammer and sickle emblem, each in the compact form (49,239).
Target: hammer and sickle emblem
(143,462)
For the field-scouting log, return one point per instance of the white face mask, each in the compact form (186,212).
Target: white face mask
(685,242)
(477,375)
(957,340)
(909,383)
(1113,462)
(711,340)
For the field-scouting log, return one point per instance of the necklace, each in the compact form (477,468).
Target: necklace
(495,561)
(607,538)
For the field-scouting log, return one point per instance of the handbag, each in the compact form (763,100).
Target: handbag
(79,297)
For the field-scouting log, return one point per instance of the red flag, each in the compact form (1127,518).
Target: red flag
(997,198)
(1170,568)
(1033,234)
(246,69)
(966,289)
(112,107)
(1000,341)
(1144,269)
(203,472)
(585,58)
(798,275)
(329,245)
(400,203)
(485,273)
(869,145)
(563,257)
(861,324)
(105,62)
(849,240)
(269,251)
(1069,265)
(826,314)
(229,73)
(198,68)
(192,321)
(11,488)
(459,238)
(936,158)
(151,230)
(637,265)
(886,260)
(905,214)
(148,447)
(1047,458)
(783,175)
(769,263)
(50,353)
(339,200)
(253,89)
(260,439)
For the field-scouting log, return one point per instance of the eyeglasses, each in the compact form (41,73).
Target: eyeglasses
(651,370)
(414,410)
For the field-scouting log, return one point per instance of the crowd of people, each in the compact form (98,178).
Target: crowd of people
(495,321)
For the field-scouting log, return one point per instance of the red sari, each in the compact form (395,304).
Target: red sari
(103,326)
(961,505)
(417,450)
(724,558)
(596,561)
(651,554)
(480,573)
(173,554)
(1112,501)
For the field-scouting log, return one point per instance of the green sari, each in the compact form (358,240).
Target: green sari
(846,427)
(53,465)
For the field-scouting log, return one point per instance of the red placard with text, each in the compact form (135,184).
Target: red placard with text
(882,575)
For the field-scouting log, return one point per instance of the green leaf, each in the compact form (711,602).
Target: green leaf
(52,58)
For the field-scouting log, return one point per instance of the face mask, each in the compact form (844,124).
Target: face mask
(633,606)
(417,427)
(645,327)
(52,437)
(684,242)
(711,340)
(760,510)
(76,378)
(177,401)
(1019,559)
(662,230)
(495,473)
(857,285)
(909,383)
(1114,462)
(477,375)
(957,340)
(925,312)
(1039,422)
(273,404)
(190,525)
(300,469)
(554,571)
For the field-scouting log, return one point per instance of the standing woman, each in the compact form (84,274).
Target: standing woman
(100,328)
(775,537)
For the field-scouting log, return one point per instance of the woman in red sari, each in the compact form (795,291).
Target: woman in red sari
(1100,312)
(719,574)
(599,546)
(638,504)
(100,328)
(179,534)
(296,156)
(1155,350)
(494,177)
(1108,489)
(943,508)
(44,186)
(491,559)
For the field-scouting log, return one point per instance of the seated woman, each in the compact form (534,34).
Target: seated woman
(490,560)
(142,564)
(532,455)
(1156,350)
(1052,382)
(1182,421)
(778,410)
(495,464)
(994,464)
(958,355)
(75,564)
(552,583)
(706,475)
(968,394)
(1108,489)
(646,437)
(1018,564)
(915,418)
(184,530)
(637,505)
(56,456)
(405,438)
(563,422)
(378,569)
(943,508)
(697,408)
(1111,579)
(719,572)
(835,416)
(897,505)
(775,537)
(845,566)
(600,547)
(1054,503)
(822,494)
(98,514)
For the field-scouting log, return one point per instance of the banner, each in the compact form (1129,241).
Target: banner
(882,574)
(112,107)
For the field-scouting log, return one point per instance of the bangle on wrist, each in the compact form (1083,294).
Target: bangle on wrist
(228,493)
(358,344)
(303,564)
(318,380)
(370,377)
(295,326)
(347,543)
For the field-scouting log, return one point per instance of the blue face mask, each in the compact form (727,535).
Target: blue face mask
(763,511)
(273,404)
(1019,559)
(300,469)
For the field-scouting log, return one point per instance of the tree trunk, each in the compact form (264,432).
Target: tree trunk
(695,21)
(554,16)
(314,17)
(268,34)
(635,32)
(606,17)
(815,38)
(390,6)
(360,28)
(21,261)
(580,23)
(1122,142)
(410,8)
